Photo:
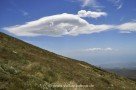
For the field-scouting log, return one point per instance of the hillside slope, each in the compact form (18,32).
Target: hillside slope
(27,67)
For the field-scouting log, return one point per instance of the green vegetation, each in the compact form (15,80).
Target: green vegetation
(27,67)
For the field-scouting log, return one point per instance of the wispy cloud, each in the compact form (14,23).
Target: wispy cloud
(17,9)
(125,32)
(122,18)
(24,13)
(117,3)
(96,4)
(89,3)
(98,49)
(119,6)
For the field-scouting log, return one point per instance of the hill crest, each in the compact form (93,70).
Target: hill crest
(24,66)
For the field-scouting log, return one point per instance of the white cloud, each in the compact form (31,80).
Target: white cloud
(84,13)
(130,26)
(64,24)
(57,25)
(98,49)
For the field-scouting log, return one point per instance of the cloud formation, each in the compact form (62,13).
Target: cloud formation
(117,3)
(119,6)
(57,25)
(84,13)
(24,12)
(88,3)
(98,49)
(130,26)
(64,24)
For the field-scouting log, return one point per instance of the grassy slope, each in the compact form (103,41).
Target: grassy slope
(24,66)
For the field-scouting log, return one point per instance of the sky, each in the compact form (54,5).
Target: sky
(96,31)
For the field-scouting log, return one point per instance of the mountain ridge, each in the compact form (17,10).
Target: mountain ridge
(25,66)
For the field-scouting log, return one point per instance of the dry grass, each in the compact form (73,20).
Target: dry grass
(24,66)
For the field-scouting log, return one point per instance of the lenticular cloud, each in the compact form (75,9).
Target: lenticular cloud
(56,25)
(64,24)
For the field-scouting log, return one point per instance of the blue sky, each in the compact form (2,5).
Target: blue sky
(96,31)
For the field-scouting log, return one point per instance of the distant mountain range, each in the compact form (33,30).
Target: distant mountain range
(126,65)
(129,73)
(127,69)
(27,67)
